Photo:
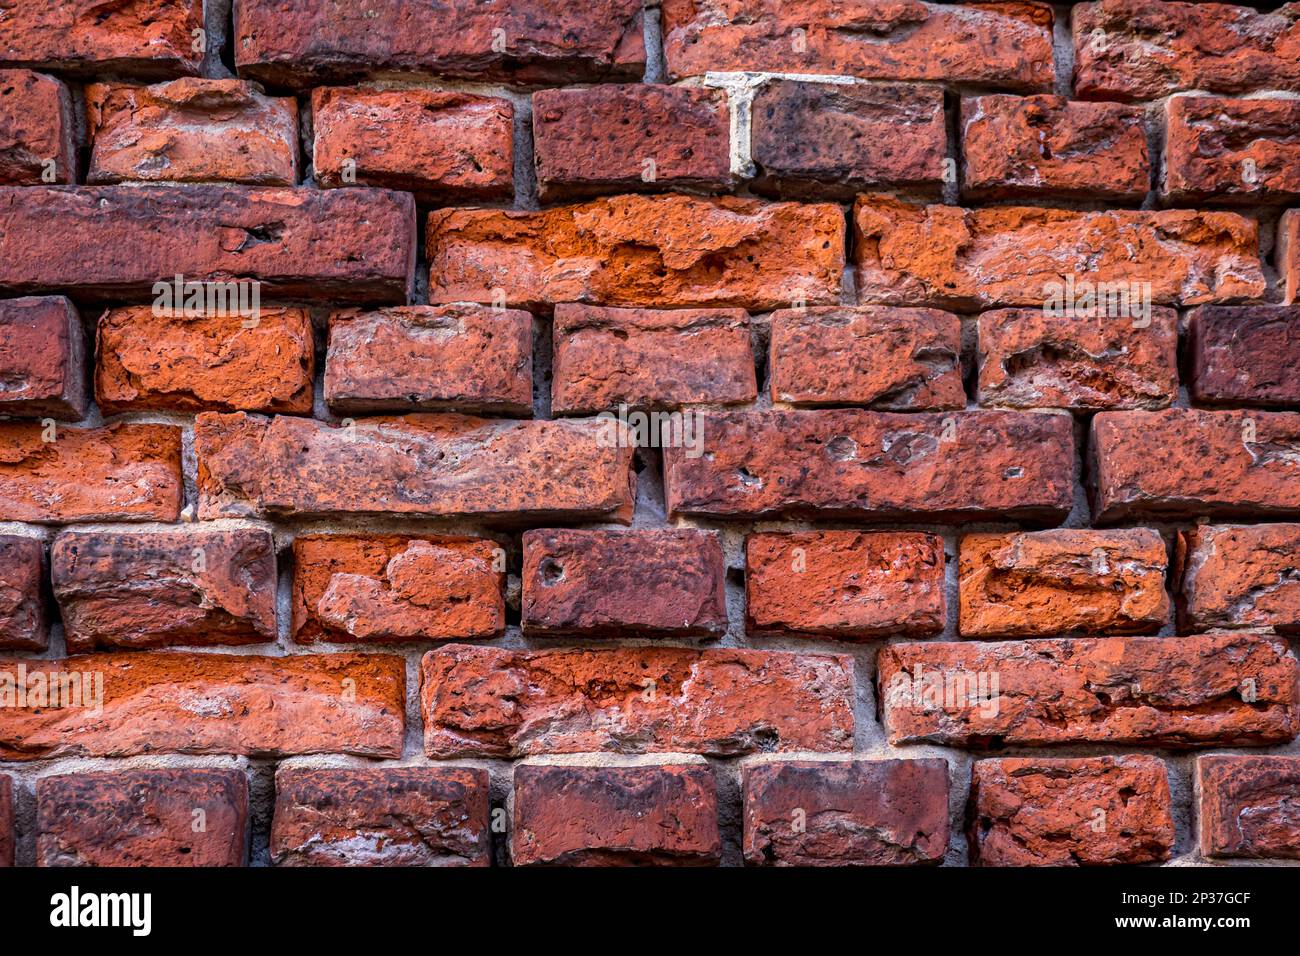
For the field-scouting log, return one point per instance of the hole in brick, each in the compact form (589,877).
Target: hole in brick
(552,571)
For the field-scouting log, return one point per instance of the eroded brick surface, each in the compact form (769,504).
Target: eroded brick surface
(143,818)
(42,358)
(624,582)
(1090,811)
(1240,576)
(160,588)
(496,702)
(1044,583)
(1142,691)
(1234,150)
(389,588)
(608,816)
(1249,806)
(845,813)
(1245,355)
(36,129)
(390,816)
(845,584)
(24,624)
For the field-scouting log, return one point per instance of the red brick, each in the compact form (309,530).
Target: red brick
(431,358)
(860,464)
(1239,576)
(1240,151)
(1045,583)
(299,43)
(1089,811)
(1247,355)
(969,259)
(113,242)
(1176,692)
(1288,255)
(650,358)
(390,588)
(1006,45)
(845,813)
(23,622)
(162,358)
(658,251)
(1045,145)
(1047,358)
(442,146)
(172,702)
(499,702)
(883,357)
(155,39)
(120,472)
(844,584)
(831,140)
(654,582)
(36,126)
(1146,49)
(1218,463)
(444,465)
(385,816)
(134,590)
(661,815)
(191,817)
(191,131)
(42,358)
(635,137)
(1247,806)
(6,822)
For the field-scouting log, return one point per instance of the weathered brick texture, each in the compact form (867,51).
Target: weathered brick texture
(1235,576)
(23,616)
(6,822)
(42,358)
(1245,355)
(1230,150)
(1247,806)
(143,818)
(36,129)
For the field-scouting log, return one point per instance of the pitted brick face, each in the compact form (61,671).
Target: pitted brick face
(488,433)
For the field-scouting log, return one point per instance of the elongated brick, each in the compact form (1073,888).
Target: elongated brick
(1177,692)
(1231,150)
(1045,145)
(497,702)
(1036,358)
(191,131)
(77,37)
(444,465)
(1090,811)
(879,465)
(1219,463)
(628,138)
(385,816)
(119,472)
(844,583)
(888,358)
(23,622)
(1044,583)
(385,588)
(153,357)
(970,259)
(1146,49)
(1247,806)
(148,589)
(668,581)
(831,140)
(431,358)
(650,358)
(1233,576)
(1245,355)
(166,818)
(121,705)
(111,242)
(845,812)
(659,251)
(298,43)
(659,815)
(42,358)
(1287,255)
(1007,45)
(443,146)
(37,129)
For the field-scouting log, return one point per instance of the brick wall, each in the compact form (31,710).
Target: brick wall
(974,541)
